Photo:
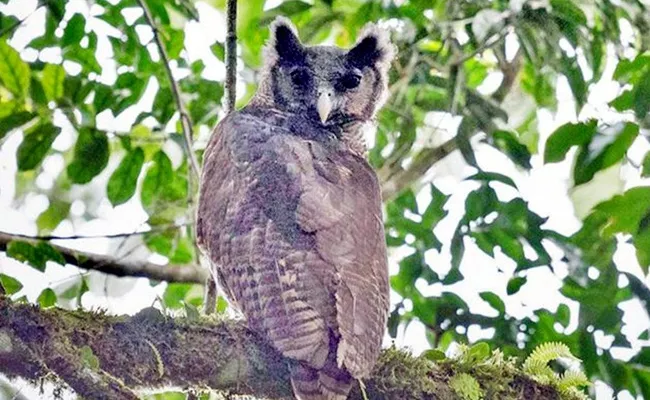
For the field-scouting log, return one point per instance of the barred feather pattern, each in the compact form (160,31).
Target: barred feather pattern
(290,218)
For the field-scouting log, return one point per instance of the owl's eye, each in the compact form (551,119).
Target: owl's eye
(299,77)
(350,81)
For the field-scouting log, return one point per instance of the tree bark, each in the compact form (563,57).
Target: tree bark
(112,357)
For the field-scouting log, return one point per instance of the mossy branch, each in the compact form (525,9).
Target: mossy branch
(119,355)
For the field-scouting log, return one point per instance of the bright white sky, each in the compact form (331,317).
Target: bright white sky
(545,187)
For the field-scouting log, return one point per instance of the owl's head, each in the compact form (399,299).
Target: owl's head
(326,83)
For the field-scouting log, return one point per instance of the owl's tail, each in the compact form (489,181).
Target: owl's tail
(328,383)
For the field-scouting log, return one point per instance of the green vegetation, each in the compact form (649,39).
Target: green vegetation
(493,105)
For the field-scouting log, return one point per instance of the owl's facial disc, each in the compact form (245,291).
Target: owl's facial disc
(330,85)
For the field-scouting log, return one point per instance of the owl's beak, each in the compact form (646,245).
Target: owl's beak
(324,105)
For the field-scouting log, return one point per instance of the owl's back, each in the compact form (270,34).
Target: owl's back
(291,220)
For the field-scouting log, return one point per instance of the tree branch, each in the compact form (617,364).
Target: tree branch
(397,179)
(114,266)
(231,55)
(210,300)
(423,162)
(159,228)
(186,121)
(93,351)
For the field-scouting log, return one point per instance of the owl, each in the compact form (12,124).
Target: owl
(289,212)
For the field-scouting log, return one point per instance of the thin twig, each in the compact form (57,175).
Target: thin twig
(488,44)
(186,121)
(231,55)
(108,264)
(161,228)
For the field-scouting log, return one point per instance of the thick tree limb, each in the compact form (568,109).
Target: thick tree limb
(93,352)
(118,267)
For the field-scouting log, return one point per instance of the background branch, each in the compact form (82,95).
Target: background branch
(118,267)
(186,121)
(210,300)
(218,355)
(394,179)
(158,228)
(231,55)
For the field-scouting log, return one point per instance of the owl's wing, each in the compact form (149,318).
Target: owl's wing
(340,203)
(246,224)
(285,218)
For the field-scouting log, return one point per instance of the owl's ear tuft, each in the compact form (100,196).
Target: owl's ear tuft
(372,48)
(284,43)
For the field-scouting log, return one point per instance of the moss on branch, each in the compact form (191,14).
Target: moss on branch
(96,353)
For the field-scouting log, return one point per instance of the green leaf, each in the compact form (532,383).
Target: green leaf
(53,78)
(627,70)
(576,79)
(563,315)
(592,158)
(56,8)
(222,305)
(90,155)
(514,284)
(35,255)
(565,137)
(434,355)
(465,130)
(47,298)
(642,96)
(122,183)
(174,42)
(568,11)
(645,166)
(494,301)
(492,176)
(624,101)
(10,285)
(158,177)
(625,211)
(35,145)
(287,8)
(14,72)
(479,352)
(49,219)
(85,57)
(14,120)
(175,293)
(508,144)
(74,31)
(219,51)
(183,253)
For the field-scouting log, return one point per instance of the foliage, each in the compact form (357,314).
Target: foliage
(536,365)
(88,91)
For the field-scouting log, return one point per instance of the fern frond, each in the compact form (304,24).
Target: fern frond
(466,386)
(537,362)
(573,394)
(572,378)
